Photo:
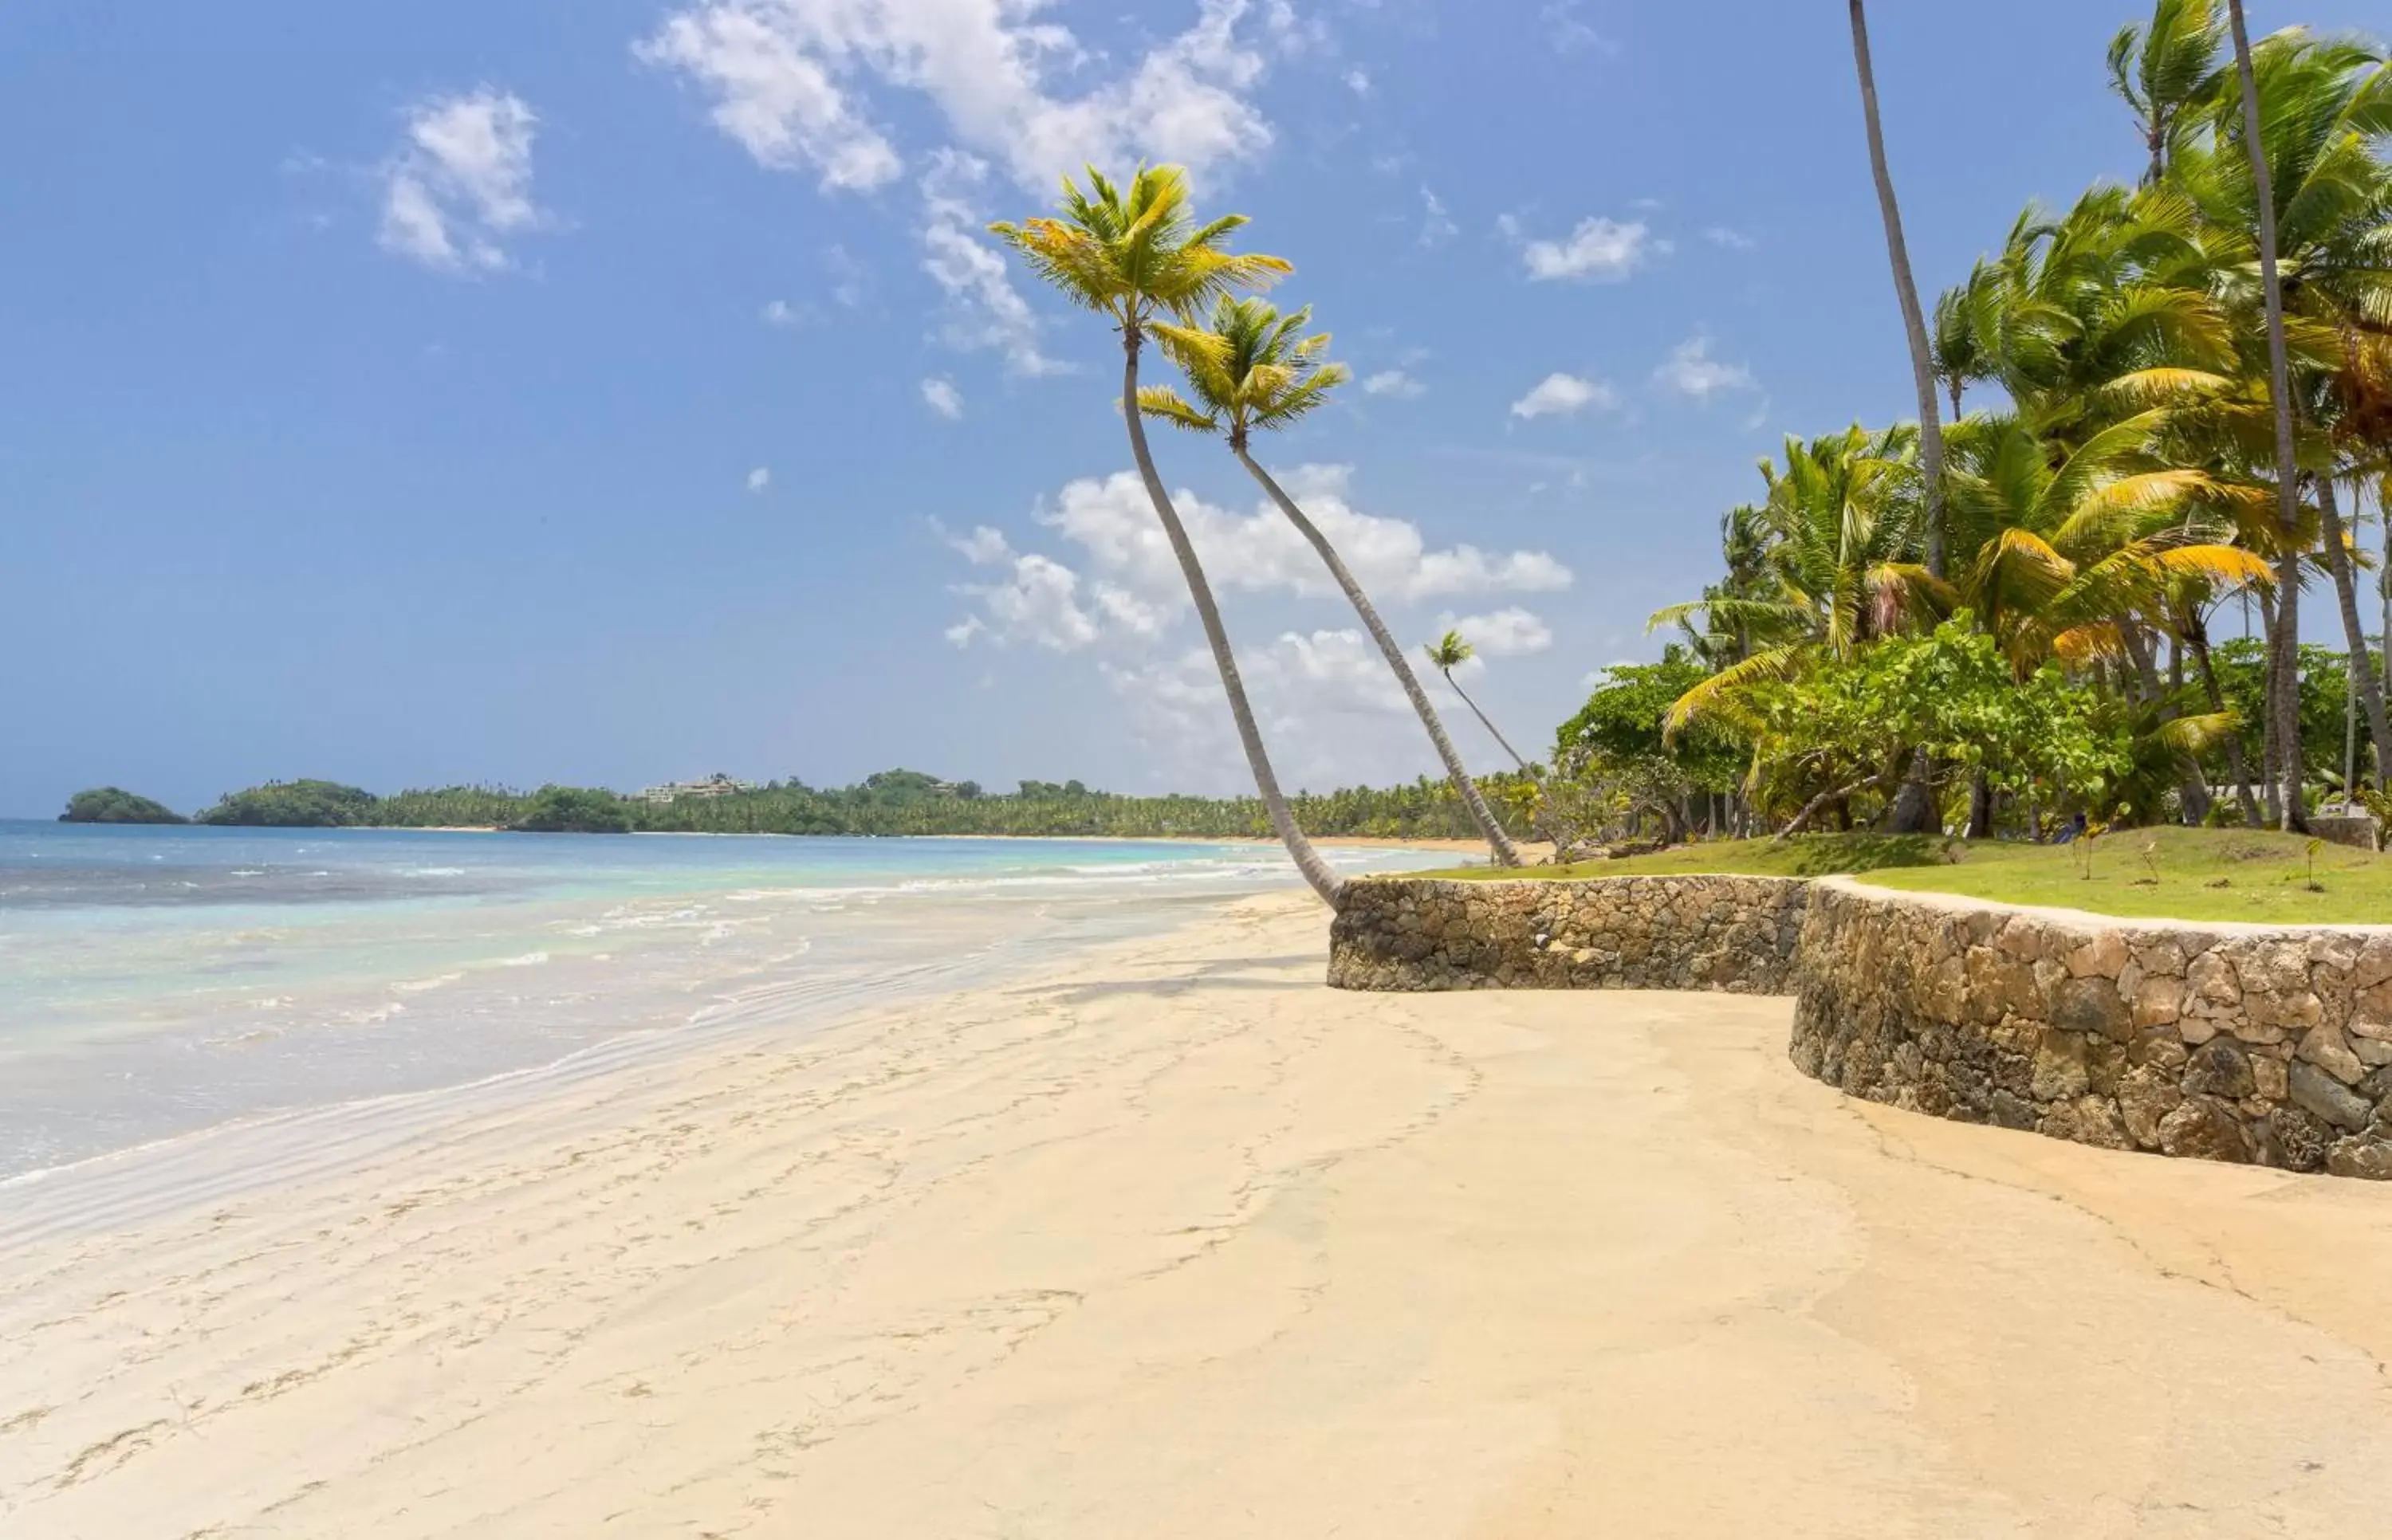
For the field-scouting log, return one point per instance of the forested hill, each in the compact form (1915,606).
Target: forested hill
(892,802)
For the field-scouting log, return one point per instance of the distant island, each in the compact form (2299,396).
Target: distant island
(114,805)
(893,802)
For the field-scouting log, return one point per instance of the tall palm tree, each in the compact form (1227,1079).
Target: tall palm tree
(1913,321)
(2285,703)
(1131,253)
(1249,368)
(2166,70)
(1449,652)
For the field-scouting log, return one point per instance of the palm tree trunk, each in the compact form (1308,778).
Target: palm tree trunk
(1913,321)
(2285,678)
(2346,593)
(1282,819)
(1484,722)
(1505,854)
(2196,638)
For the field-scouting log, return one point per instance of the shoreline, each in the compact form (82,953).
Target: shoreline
(1161,1237)
(1356,842)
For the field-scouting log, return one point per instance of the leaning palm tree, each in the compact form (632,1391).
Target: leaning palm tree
(1913,321)
(1914,812)
(1449,652)
(1131,253)
(1250,369)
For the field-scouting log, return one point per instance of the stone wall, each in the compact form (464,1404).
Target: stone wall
(1735,934)
(2227,1042)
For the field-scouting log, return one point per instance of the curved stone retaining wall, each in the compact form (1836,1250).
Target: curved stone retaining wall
(2227,1042)
(1735,934)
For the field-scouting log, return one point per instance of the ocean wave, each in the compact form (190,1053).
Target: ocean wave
(417,985)
(528,960)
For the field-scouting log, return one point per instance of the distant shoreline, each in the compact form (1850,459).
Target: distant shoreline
(1364,842)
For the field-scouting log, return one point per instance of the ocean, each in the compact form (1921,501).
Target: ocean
(159,981)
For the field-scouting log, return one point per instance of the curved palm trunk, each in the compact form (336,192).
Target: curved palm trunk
(2345,592)
(2284,698)
(1282,819)
(1913,321)
(1505,854)
(1483,721)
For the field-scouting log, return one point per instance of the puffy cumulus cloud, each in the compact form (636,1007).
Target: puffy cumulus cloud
(1329,708)
(1037,605)
(1559,394)
(1513,632)
(1393,382)
(461,182)
(791,81)
(941,397)
(759,478)
(1598,251)
(1124,585)
(1113,522)
(1691,370)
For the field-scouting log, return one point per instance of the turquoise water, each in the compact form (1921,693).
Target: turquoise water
(154,982)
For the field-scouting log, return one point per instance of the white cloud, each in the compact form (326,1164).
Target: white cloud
(941,397)
(1559,394)
(1734,239)
(1437,226)
(1125,583)
(461,182)
(1260,552)
(759,478)
(1393,382)
(983,308)
(781,313)
(1505,633)
(1039,604)
(1691,370)
(983,547)
(790,82)
(1598,251)
(1568,32)
(1358,80)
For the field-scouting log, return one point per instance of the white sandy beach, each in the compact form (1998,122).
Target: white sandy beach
(1173,1241)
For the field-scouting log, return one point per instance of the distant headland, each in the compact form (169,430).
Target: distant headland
(892,802)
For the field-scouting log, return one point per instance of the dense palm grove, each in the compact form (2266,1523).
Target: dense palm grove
(2040,633)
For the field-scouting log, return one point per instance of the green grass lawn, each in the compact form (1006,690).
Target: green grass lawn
(2187,873)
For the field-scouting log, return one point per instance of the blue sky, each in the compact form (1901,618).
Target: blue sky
(616,389)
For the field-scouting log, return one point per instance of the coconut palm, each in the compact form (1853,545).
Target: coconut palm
(2167,70)
(1449,652)
(2285,706)
(1131,253)
(1840,534)
(1250,369)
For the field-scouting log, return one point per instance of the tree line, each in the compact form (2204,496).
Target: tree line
(898,802)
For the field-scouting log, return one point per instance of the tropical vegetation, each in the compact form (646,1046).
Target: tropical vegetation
(2158,399)
(895,802)
(114,805)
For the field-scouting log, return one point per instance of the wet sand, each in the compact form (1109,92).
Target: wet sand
(1171,1241)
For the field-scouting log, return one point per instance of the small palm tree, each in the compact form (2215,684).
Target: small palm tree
(1449,652)
(1132,254)
(1250,368)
